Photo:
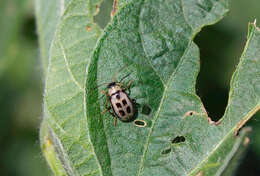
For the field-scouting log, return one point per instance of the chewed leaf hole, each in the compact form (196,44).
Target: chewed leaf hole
(166,151)
(178,139)
(140,123)
(189,113)
(146,109)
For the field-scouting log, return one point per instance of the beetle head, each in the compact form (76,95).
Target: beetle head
(111,85)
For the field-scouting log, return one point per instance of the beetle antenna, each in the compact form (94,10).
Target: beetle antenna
(114,75)
(124,77)
(92,89)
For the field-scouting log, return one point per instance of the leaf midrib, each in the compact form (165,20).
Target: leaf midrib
(159,108)
(166,86)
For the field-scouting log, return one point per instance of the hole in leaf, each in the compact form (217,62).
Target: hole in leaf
(216,69)
(166,151)
(189,113)
(146,109)
(140,123)
(103,17)
(178,139)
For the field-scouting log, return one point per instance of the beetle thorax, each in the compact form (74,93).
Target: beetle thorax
(114,89)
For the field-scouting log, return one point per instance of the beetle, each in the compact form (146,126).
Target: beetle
(122,106)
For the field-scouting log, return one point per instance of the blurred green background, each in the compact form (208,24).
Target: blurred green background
(22,81)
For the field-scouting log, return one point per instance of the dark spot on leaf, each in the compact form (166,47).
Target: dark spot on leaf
(140,123)
(124,102)
(178,139)
(88,28)
(166,151)
(122,113)
(146,109)
(128,109)
(97,9)
(118,105)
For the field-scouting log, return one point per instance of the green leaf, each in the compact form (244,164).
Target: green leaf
(237,153)
(75,38)
(151,40)
(48,14)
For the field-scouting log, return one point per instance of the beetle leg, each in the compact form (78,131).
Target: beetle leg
(103,112)
(108,108)
(128,87)
(115,120)
(104,92)
(120,84)
(129,84)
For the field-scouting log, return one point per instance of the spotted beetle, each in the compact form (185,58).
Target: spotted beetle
(122,106)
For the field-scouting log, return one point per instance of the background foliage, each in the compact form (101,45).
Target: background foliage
(21,81)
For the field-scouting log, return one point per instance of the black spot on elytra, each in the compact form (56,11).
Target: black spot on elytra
(122,113)
(128,109)
(118,96)
(118,105)
(178,139)
(124,102)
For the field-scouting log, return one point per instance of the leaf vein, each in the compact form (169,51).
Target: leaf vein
(69,70)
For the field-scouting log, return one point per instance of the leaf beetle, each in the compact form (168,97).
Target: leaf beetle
(121,106)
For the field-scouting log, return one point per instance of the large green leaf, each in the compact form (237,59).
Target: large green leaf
(64,113)
(152,40)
